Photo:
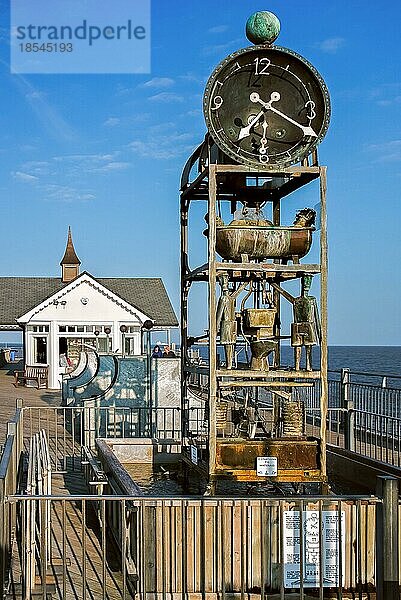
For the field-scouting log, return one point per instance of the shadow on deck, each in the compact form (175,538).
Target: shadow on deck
(30,396)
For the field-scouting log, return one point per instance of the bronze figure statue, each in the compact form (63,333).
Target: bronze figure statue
(305,329)
(225,318)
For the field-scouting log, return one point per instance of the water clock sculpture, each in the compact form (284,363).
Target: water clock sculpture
(266,109)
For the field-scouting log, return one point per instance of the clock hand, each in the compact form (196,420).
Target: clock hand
(245,131)
(307,130)
(263,141)
(254,97)
(263,154)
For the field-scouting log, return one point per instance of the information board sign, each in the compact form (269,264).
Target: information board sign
(312,523)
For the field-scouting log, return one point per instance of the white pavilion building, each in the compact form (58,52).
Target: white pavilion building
(60,317)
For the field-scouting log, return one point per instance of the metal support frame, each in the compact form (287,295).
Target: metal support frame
(212,319)
(217,177)
(324,397)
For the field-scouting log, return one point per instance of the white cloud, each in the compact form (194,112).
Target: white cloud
(112,122)
(123,91)
(165,127)
(222,48)
(37,167)
(389,151)
(166,97)
(331,45)
(35,95)
(52,122)
(128,121)
(74,164)
(163,143)
(27,148)
(65,193)
(194,113)
(56,178)
(193,78)
(24,176)
(159,82)
(113,166)
(390,101)
(150,149)
(218,29)
(86,160)
(387,94)
(140,117)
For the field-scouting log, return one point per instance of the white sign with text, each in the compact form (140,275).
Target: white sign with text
(312,523)
(266,466)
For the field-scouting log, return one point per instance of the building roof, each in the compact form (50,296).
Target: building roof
(70,256)
(19,295)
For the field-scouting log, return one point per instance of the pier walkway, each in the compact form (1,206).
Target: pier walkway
(30,396)
(82,564)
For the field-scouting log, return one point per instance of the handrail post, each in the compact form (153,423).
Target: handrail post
(11,428)
(7,514)
(3,538)
(20,425)
(348,404)
(387,547)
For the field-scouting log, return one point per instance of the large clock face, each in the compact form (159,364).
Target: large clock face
(266,106)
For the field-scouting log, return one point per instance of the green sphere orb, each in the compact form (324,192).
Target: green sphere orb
(263,27)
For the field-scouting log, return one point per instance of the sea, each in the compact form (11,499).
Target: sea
(380,360)
(384,360)
(371,359)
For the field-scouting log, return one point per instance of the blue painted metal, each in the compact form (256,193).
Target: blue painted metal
(100,383)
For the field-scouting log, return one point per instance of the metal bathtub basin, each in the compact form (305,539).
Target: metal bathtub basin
(261,242)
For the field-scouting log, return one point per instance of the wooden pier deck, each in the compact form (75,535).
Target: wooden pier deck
(76,570)
(84,572)
(30,396)
(76,545)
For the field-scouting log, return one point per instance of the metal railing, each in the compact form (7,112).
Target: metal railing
(118,546)
(207,546)
(10,465)
(363,416)
(38,482)
(69,428)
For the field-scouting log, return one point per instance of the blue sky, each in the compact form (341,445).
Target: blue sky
(104,153)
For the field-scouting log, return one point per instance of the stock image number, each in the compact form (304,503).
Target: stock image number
(46,47)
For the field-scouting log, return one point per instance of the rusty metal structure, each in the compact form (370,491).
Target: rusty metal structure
(249,424)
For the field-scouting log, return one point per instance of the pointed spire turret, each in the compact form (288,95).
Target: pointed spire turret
(70,261)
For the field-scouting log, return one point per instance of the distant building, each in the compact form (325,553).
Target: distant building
(60,317)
